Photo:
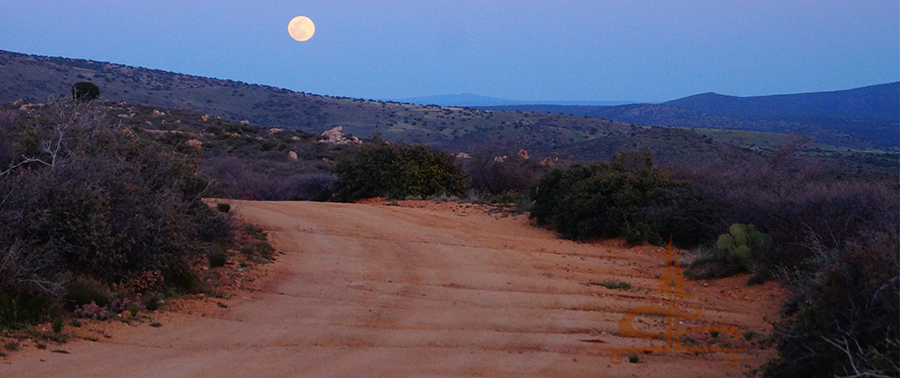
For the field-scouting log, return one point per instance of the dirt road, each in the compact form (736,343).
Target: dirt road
(438,291)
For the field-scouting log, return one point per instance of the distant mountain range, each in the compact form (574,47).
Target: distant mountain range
(867,117)
(473,100)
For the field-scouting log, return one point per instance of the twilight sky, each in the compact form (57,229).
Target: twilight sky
(640,50)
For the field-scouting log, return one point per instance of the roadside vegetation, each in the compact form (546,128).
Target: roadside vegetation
(832,238)
(97,219)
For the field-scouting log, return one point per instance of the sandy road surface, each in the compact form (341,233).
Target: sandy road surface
(386,291)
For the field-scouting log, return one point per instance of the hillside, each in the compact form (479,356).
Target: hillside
(862,118)
(36,79)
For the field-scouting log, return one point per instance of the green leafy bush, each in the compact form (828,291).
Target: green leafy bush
(397,171)
(628,198)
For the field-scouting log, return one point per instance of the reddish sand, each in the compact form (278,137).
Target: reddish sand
(421,290)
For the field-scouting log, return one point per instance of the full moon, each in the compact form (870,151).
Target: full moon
(301,28)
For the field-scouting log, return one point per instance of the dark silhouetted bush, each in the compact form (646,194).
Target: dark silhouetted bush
(223,207)
(397,171)
(85,91)
(628,198)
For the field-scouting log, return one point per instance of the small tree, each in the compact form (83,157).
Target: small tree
(85,91)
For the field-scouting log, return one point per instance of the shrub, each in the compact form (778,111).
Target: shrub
(85,91)
(83,290)
(384,170)
(498,174)
(58,324)
(842,319)
(626,198)
(223,207)
(217,257)
(18,310)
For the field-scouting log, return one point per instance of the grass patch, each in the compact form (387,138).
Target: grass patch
(613,285)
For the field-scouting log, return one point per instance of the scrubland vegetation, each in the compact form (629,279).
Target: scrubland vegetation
(96,218)
(833,239)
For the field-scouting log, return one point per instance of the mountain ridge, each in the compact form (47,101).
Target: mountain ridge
(865,118)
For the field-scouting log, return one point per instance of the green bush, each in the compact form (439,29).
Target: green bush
(397,171)
(223,207)
(628,198)
(58,324)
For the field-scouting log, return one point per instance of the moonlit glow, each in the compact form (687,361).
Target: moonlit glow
(301,28)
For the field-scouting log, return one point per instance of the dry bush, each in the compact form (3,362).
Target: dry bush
(82,195)
(496,174)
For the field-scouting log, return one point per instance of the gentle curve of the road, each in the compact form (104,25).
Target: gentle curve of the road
(389,291)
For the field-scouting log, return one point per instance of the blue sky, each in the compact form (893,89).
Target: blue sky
(525,50)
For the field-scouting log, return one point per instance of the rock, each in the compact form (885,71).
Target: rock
(292,155)
(336,136)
